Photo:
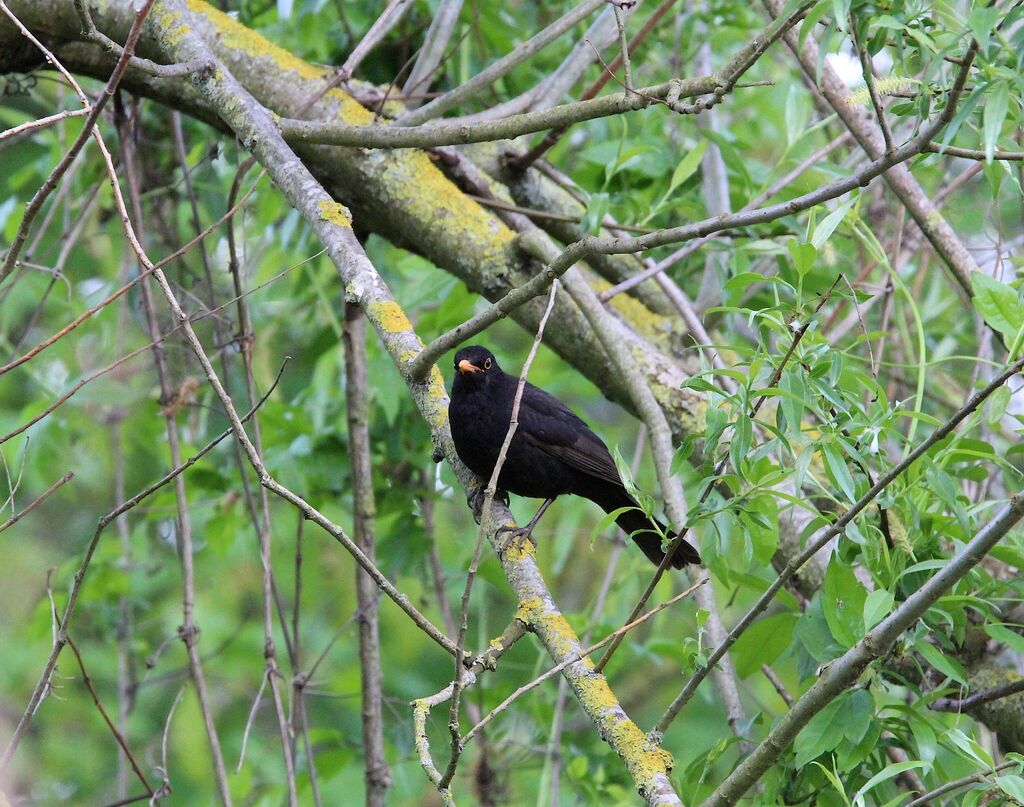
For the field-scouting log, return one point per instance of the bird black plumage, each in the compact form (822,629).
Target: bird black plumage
(552,453)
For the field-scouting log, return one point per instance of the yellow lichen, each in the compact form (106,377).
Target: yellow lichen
(529,609)
(235,36)
(336,213)
(519,549)
(388,316)
(170,24)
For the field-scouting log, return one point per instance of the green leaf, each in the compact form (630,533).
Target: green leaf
(821,734)
(762,643)
(803,255)
(951,668)
(828,225)
(877,606)
(1012,786)
(1003,634)
(607,520)
(970,747)
(843,603)
(839,470)
(998,303)
(687,166)
(981,21)
(887,773)
(600,204)
(996,406)
(847,717)
(996,105)
(837,783)
(740,443)
(700,384)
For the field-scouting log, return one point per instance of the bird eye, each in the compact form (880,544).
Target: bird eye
(487,364)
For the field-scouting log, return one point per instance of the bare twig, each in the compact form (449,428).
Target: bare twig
(956,784)
(524,161)
(88,129)
(388,19)
(577,657)
(973,154)
(492,72)
(37,501)
(869,81)
(776,682)
(41,123)
(978,698)
(106,718)
(146,66)
(125,288)
(627,70)
(432,53)
(489,493)
(376,773)
(42,687)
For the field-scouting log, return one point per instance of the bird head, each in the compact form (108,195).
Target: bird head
(476,365)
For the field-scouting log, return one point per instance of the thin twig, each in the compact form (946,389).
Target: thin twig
(956,784)
(493,72)
(973,154)
(388,19)
(489,493)
(978,698)
(376,774)
(776,682)
(42,687)
(579,657)
(127,287)
(869,81)
(432,53)
(106,719)
(38,500)
(41,123)
(88,129)
(524,161)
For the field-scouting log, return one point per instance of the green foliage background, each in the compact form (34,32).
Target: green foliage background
(830,422)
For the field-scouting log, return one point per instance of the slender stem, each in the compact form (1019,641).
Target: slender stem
(37,501)
(388,19)
(489,493)
(376,773)
(493,72)
(956,784)
(978,698)
(501,707)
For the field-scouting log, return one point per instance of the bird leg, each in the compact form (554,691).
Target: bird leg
(475,499)
(524,532)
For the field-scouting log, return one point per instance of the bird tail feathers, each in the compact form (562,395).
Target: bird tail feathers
(647,534)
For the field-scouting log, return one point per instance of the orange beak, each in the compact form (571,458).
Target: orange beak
(466,366)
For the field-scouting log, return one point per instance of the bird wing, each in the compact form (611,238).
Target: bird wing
(548,424)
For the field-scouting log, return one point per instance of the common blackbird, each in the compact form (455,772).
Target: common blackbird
(552,452)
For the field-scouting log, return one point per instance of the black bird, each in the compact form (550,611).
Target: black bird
(552,453)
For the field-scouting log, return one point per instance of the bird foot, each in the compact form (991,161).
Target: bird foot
(514,534)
